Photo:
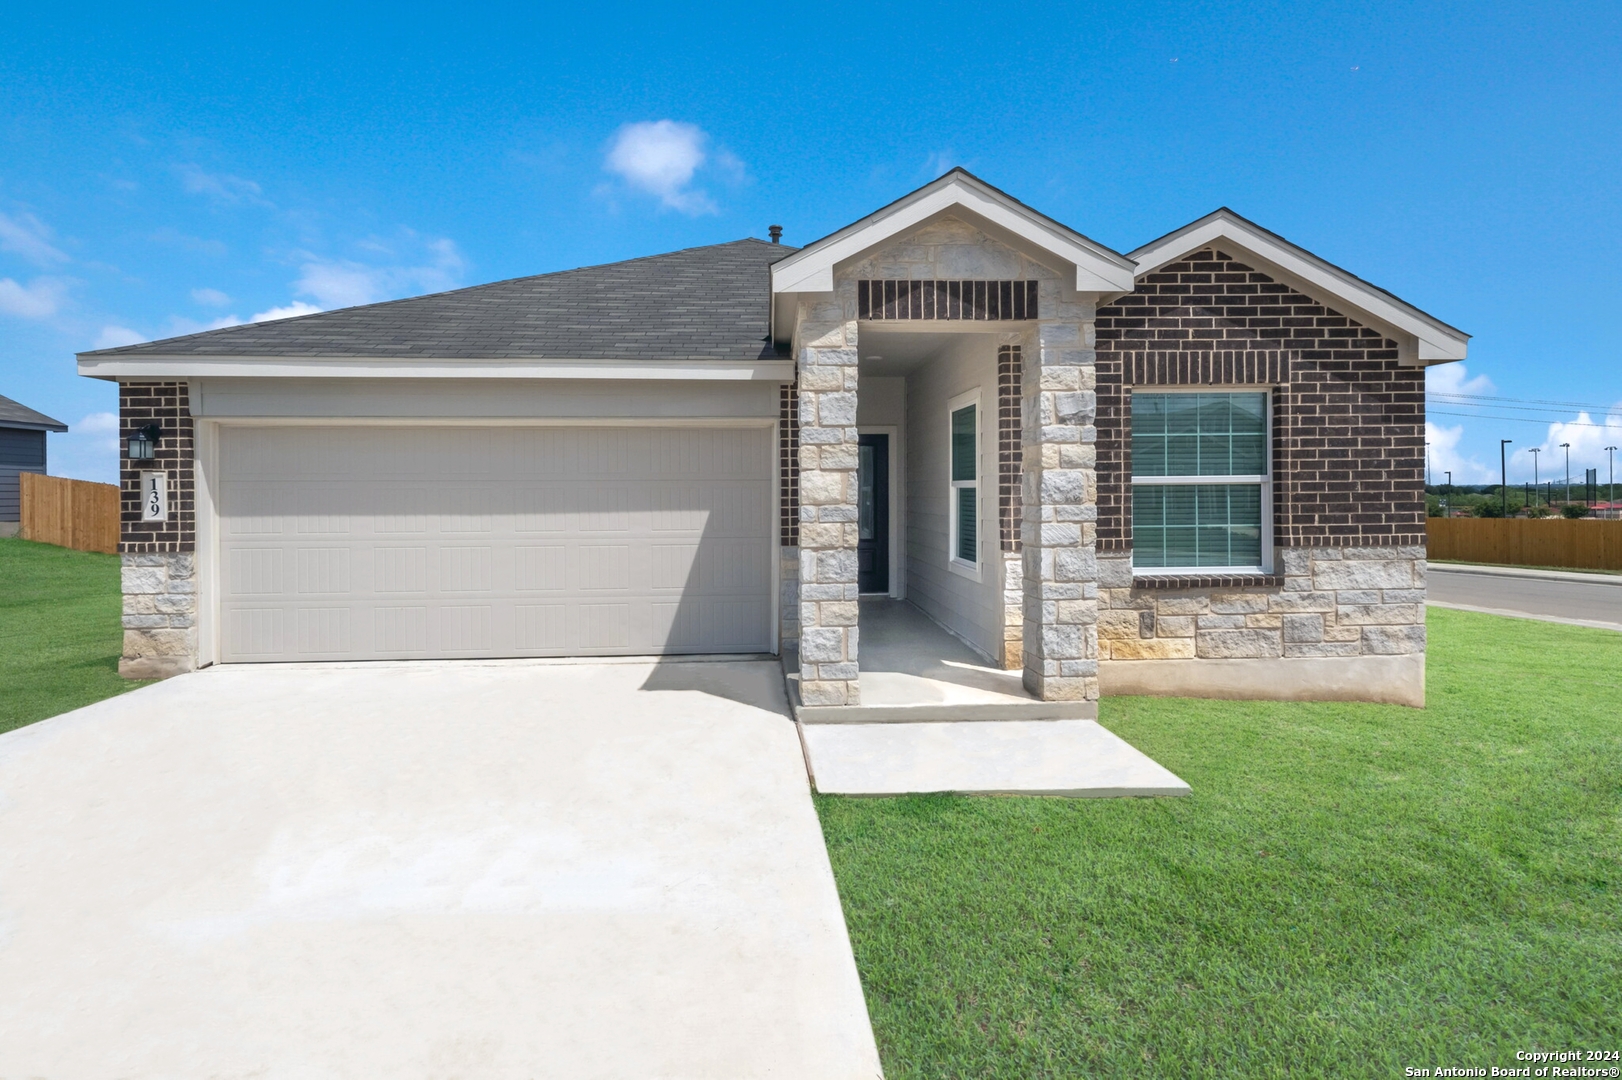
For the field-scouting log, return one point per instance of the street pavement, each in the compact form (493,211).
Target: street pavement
(1555,596)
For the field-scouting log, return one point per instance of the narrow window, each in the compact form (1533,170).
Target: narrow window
(965,494)
(1201,490)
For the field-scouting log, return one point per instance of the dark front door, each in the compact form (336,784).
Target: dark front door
(873,514)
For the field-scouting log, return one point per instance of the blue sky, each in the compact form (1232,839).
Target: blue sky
(161,174)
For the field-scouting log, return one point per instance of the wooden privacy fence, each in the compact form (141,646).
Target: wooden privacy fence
(69,513)
(1583,544)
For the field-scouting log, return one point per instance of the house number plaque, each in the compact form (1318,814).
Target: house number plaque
(154,496)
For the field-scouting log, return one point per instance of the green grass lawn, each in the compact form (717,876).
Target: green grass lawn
(1351,889)
(59,631)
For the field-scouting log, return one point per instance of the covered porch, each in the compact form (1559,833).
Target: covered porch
(913,669)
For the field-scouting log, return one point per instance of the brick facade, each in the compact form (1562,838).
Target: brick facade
(1348,421)
(158,560)
(788,465)
(168,405)
(1010,450)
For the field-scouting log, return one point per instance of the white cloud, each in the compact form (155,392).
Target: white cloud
(100,423)
(114,337)
(941,162)
(221,187)
(1588,438)
(28,236)
(38,299)
(210,297)
(660,157)
(1443,455)
(296,308)
(89,450)
(335,283)
(1587,435)
(1455,379)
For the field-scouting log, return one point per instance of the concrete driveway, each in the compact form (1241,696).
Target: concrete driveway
(516,869)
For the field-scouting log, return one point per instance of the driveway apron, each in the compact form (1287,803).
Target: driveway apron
(510,869)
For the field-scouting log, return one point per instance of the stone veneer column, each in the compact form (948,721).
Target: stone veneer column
(1059,505)
(158,560)
(825,341)
(160,614)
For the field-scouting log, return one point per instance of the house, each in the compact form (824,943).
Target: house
(1195,468)
(22,449)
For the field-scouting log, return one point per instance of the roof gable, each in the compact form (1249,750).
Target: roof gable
(1421,338)
(1098,269)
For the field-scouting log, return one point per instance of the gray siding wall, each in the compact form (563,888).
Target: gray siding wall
(20,451)
(971,609)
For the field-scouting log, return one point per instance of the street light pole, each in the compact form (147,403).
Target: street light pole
(1610,488)
(1568,470)
(1427,463)
(1503,474)
(1447,500)
(1535,451)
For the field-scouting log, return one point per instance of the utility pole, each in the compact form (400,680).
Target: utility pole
(1447,500)
(1535,451)
(1503,473)
(1427,463)
(1567,447)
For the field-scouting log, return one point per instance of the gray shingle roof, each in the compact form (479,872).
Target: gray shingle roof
(703,303)
(17,415)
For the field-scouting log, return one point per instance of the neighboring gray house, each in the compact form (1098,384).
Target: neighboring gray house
(22,449)
(1194,468)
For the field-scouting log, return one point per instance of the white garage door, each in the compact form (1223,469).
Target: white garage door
(416,542)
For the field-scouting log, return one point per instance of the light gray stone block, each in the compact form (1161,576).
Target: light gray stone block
(1363,574)
(1222,644)
(1303,628)
(1393,640)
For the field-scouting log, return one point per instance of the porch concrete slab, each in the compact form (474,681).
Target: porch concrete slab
(1074,758)
(914,670)
(449,869)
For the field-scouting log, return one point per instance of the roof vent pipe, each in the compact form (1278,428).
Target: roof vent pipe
(775,232)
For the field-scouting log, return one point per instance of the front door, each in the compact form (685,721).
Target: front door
(873,515)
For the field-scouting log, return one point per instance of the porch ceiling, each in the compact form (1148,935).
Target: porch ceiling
(891,352)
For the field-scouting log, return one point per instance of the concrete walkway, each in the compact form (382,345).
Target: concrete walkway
(1076,758)
(913,670)
(424,870)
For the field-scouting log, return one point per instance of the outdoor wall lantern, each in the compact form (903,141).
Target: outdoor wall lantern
(144,443)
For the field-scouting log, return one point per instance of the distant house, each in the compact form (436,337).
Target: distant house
(22,449)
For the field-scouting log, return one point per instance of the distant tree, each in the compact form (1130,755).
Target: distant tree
(1490,509)
(1574,510)
(1537,511)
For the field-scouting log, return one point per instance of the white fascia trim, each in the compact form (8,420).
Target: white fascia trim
(191,367)
(1431,341)
(811,269)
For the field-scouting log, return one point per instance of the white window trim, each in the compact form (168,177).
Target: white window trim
(974,571)
(1264,479)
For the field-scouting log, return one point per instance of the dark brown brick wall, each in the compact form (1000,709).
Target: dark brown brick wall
(1010,447)
(1348,422)
(788,465)
(169,405)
